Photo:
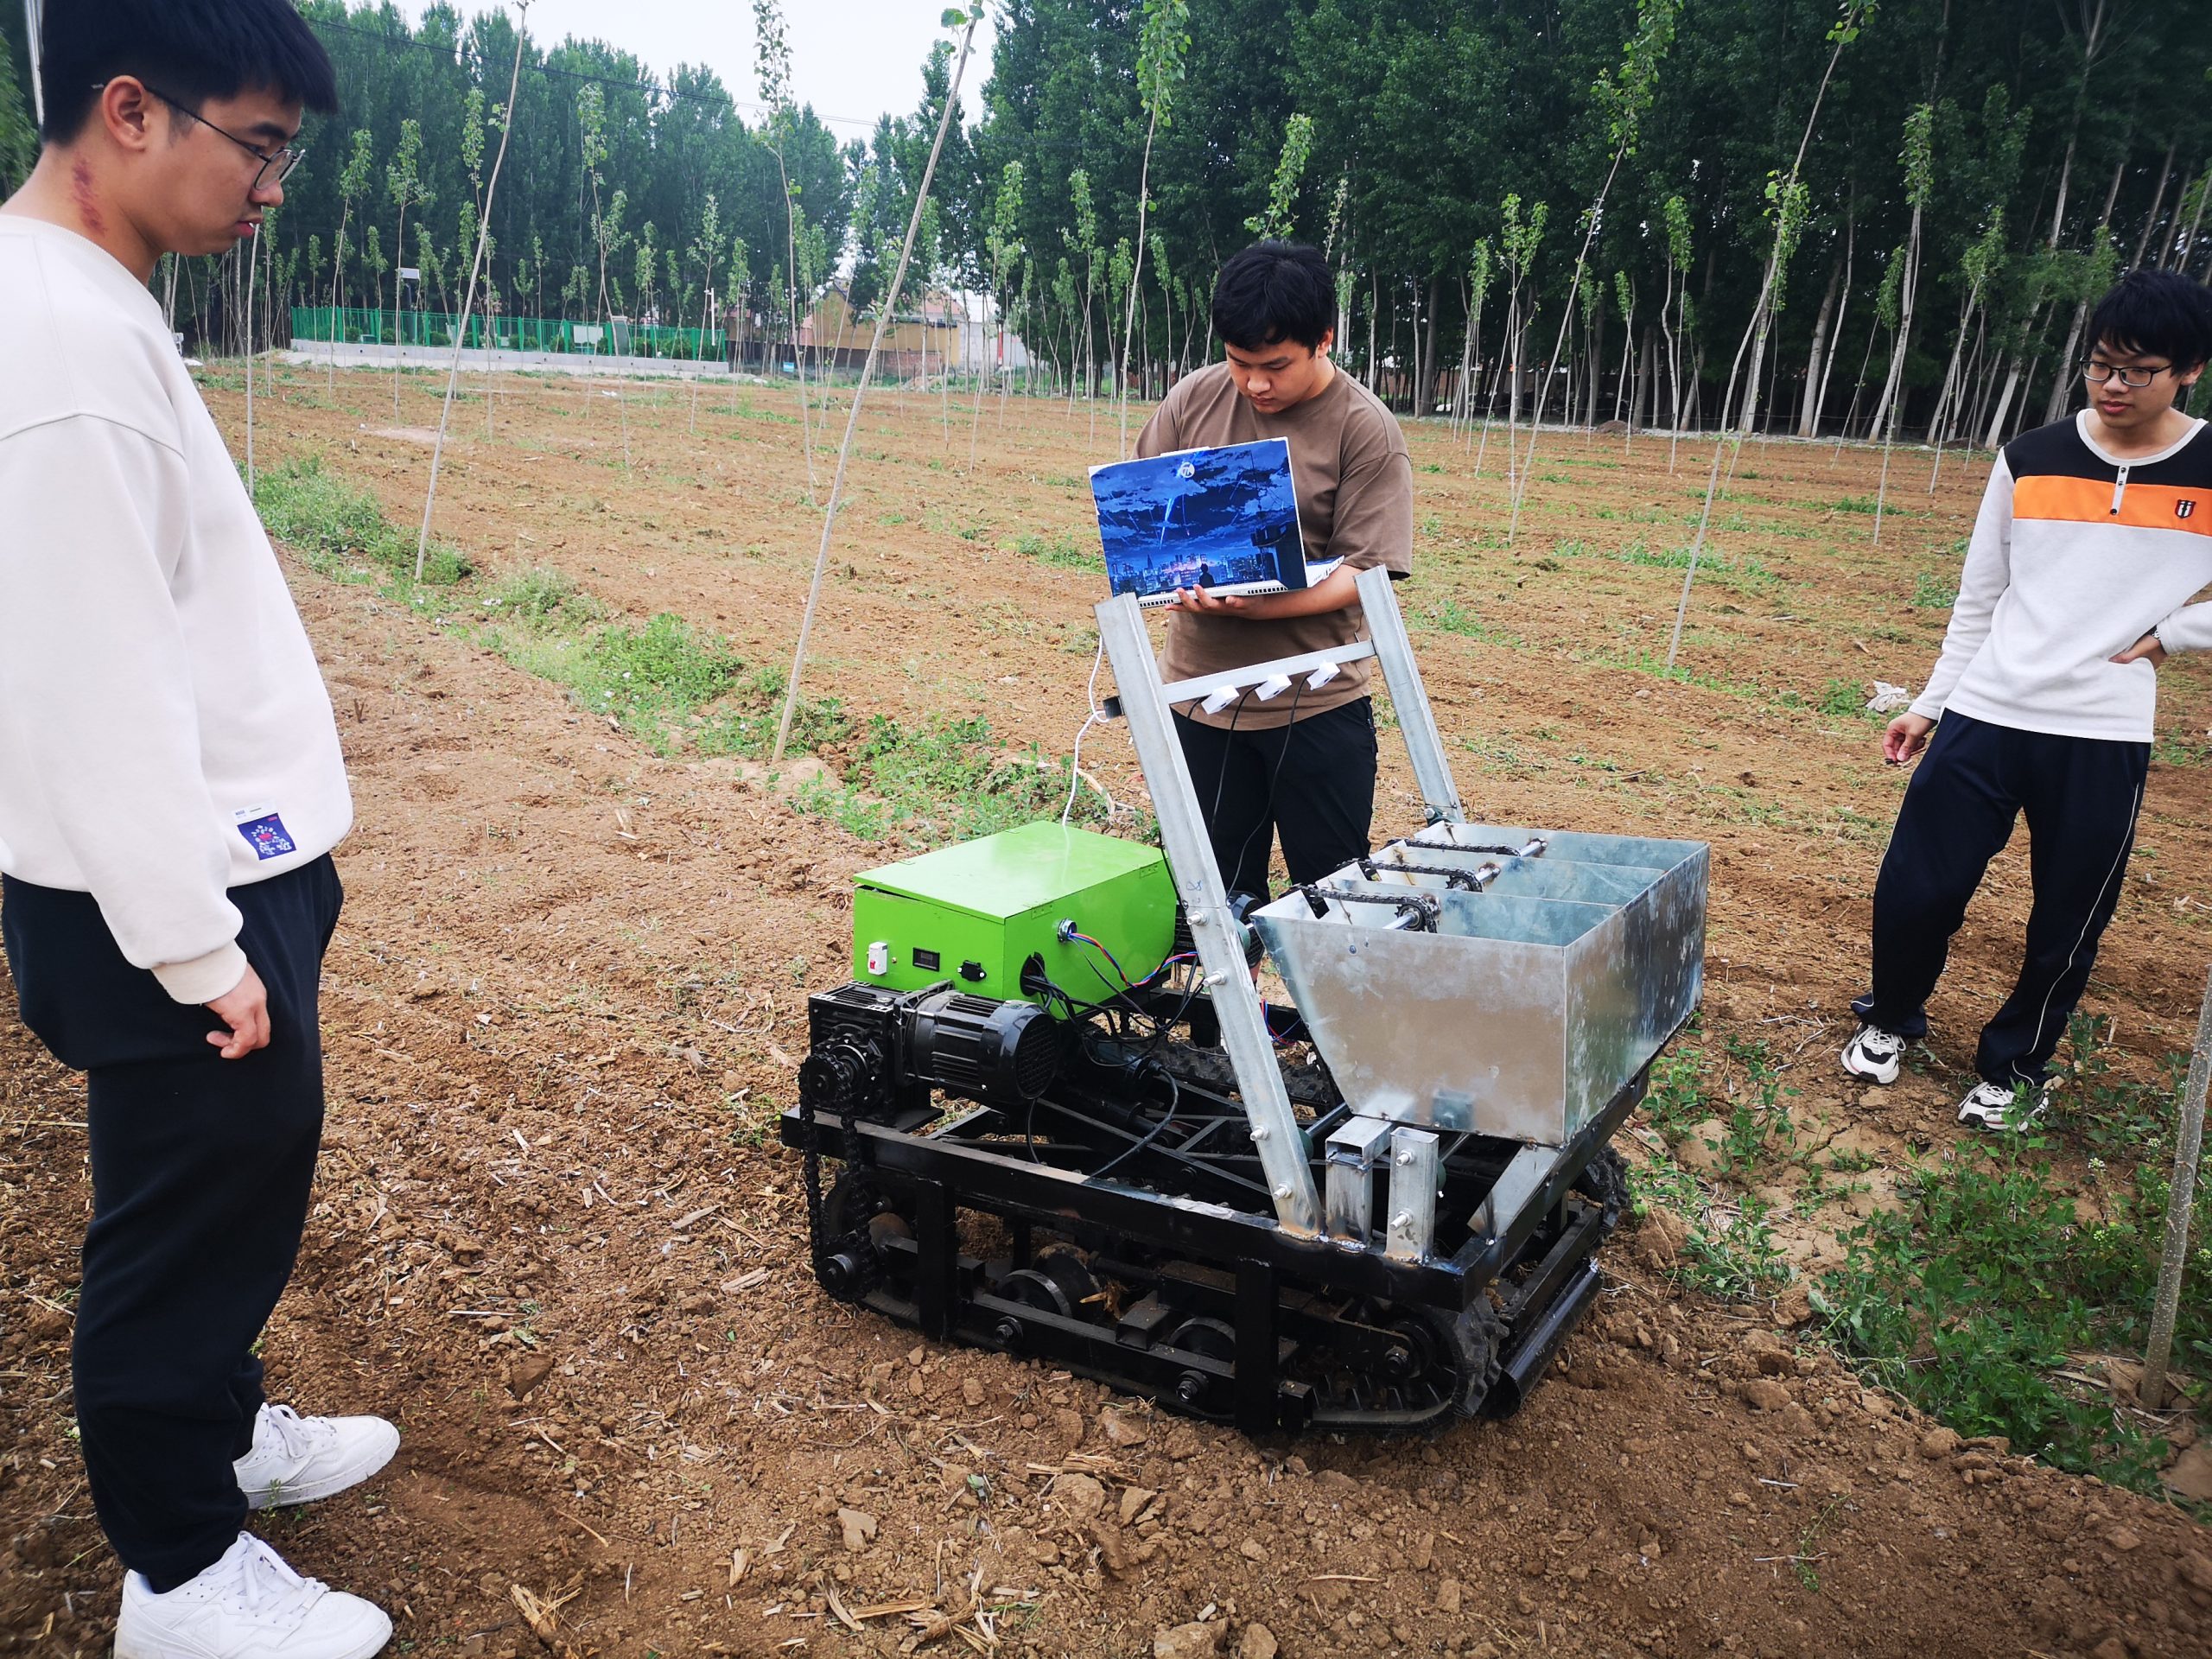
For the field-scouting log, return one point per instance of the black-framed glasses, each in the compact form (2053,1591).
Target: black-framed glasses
(274,168)
(2097,373)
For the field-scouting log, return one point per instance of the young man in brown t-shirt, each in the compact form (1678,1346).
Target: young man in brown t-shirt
(1303,763)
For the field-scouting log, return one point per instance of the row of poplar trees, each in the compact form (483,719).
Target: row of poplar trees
(1880,216)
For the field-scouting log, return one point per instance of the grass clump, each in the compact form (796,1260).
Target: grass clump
(1745,574)
(1453,617)
(1058,549)
(1981,1297)
(744,723)
(1933,591)
(672,685)
(541,599)
(340,531)
(944,780)
(1846,700)
(652,680)
(1729,1249)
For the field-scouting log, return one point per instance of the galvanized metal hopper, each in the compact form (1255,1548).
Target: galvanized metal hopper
(1504,981)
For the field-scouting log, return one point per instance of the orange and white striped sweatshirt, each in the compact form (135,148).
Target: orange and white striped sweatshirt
(2075,555)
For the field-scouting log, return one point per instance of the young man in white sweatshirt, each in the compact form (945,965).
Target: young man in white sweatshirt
(2095,534)
(170,790)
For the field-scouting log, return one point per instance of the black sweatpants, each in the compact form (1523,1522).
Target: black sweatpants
(200,1170)
(2081,796)
(1312,781)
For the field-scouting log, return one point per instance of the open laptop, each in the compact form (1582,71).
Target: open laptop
(1224,519)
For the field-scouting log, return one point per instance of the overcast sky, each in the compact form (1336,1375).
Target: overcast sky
(852,59)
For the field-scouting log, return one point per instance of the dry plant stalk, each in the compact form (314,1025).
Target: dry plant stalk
(542,1616)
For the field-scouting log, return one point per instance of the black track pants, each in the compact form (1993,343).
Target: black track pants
(1312,781)
(200,1170)
(2080,796)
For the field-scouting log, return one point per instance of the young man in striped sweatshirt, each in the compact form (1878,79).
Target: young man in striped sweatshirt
(2094,536)
(170,790)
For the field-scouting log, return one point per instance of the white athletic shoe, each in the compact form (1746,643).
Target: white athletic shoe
(1872,1054)
(1994,1106)
(297,1459)
(247,1606)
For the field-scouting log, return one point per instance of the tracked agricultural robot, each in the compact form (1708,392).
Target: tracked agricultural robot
(1067,1127)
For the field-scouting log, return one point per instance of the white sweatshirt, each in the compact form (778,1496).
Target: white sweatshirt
(164,732)
(2076,555)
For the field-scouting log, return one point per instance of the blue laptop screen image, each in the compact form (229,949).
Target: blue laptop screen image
(1224,519)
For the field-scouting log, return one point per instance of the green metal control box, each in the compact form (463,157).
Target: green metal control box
(974,914)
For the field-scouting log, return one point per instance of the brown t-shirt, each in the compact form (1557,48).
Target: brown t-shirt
(1354,502)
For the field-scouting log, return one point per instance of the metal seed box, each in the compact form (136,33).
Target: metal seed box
(1534,1001)
(974,914)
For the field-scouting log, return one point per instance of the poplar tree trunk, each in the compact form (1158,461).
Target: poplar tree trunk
(1808,413)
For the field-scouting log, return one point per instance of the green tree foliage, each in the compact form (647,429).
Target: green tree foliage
(1297,145)
(18,137)
(1425,115)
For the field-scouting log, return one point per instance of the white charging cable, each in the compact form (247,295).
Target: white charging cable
(1097,718)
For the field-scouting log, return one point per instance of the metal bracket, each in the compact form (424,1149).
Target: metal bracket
(1416,1178)
(1286,668)
(1515,1185)
(1215,932)
(1352,1155)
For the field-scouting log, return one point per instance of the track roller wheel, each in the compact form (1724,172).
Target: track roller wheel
(1208,1339)
(1056,1282)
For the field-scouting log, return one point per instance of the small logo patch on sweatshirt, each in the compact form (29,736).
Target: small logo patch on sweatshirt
(2184,507)
(266,835)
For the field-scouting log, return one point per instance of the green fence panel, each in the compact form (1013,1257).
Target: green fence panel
(356,326)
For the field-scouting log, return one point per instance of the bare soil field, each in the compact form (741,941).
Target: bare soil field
(554,1240)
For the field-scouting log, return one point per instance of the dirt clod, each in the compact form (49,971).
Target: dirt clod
(858,1529)
(526,1373)
(1081,1495)
(1189,1641)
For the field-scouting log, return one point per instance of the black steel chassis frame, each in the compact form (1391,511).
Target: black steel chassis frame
(1248,1270)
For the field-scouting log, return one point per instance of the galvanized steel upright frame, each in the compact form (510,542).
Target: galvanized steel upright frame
(1148,704)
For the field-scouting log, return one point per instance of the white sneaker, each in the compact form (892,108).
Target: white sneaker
(1994,1106)
(247,1606)
(1872,1054)
(297,1459)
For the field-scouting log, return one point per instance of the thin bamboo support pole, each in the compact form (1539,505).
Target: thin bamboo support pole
(860,393)
(468,302)
(2188,1148)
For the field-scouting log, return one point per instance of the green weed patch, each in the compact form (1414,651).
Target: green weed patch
(944,781)
(669,685)
(1059,549)
(340,531)
(1981,1298)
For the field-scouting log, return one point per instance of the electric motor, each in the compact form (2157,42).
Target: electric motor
(877,1053)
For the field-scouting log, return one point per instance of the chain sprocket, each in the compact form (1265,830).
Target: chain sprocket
(845,1262)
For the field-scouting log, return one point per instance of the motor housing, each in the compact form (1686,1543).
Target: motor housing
(876,1053)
